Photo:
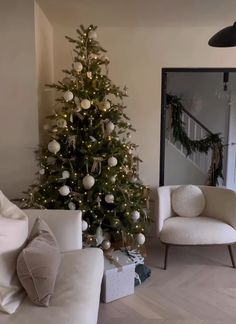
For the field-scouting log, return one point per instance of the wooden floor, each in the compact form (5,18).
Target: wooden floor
(198,287)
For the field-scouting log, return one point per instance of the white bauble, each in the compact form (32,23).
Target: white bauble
(112,161)
(42,171)
(61,123)
(78,67)
(72,205)
(54,146)
(92,35)
(113,179)
(64,190)
(84,225)
(85,104)
(68,95)
(140,238)
(109,199)
(135,215)
(106,244)
(65,174)
(110,127)
(88,182)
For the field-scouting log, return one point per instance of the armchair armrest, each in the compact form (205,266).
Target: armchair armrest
(164,205)
(220,204)
(66,225)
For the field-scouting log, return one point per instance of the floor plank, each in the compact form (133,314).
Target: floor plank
(198,287)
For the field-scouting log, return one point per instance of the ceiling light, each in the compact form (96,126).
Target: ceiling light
(226,37)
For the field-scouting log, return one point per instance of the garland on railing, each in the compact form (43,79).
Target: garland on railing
(210,141)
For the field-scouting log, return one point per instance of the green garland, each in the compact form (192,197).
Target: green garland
(210,141)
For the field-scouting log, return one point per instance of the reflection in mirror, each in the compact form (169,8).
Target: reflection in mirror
(205,102)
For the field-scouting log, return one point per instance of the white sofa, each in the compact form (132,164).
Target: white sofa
(216,224)
(77,291)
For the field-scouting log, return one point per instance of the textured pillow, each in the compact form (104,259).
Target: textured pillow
(188,201)
(13,235)
(38,264)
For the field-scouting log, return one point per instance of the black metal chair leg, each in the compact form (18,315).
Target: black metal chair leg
(166,255)
(231,255)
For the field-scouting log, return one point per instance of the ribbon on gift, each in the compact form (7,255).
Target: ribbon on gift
(97,165)
(112,260)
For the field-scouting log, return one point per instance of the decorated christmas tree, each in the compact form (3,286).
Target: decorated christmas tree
(89,162)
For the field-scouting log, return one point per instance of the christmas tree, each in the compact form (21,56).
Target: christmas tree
(89,162)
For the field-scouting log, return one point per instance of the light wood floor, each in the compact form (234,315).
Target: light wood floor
(198,287)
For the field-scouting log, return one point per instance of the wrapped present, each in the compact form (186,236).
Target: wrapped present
(118,278)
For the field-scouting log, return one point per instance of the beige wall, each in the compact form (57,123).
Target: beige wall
(18,109)
(137,57)
(44,66)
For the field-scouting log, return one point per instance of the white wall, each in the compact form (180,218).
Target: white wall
(18,109)
(137,57)
(44,66)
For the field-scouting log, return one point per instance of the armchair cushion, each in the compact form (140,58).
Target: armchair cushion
(196,231)
(188,201)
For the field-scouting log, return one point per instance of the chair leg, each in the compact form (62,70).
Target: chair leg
(166,255)
(231,255)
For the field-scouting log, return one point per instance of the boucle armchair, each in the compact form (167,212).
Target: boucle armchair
(215,225)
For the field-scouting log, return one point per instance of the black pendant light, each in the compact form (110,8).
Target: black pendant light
(226,37)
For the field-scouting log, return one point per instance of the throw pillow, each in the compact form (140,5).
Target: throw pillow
(38,264)
(13,235)
(188,201)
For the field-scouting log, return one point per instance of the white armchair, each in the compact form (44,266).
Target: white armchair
(215,225)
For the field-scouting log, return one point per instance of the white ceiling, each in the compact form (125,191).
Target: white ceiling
(141,13)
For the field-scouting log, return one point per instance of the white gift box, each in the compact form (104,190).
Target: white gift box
(117,281)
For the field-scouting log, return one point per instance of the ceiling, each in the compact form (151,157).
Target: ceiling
(140,13)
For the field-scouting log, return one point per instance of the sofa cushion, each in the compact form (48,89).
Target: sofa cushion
(76,296)
(38,263)
(13,234)
(188,201)
(197,231)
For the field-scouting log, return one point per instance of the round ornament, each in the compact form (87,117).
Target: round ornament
(42,171)
(68,95)
(109,198)
(65,174)
(61,123)
(110,127)
(84,225)
(135,215)
(64,190)
(72,205)
(88,182)
(140,238)
(106,244)
(112,161)
(85,104)
(92,35)
(113,179)
(54,146)
(78,67)
(67,81)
